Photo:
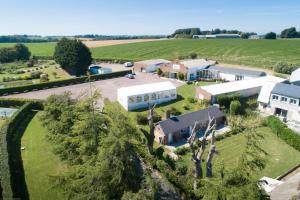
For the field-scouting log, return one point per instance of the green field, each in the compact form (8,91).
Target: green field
(256,53)
(40,163)
(280,158)
(37,49)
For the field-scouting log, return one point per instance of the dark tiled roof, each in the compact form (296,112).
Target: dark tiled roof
(180,122)
(237,71)
(287,90)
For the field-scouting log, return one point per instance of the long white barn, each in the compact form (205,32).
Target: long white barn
(140,96)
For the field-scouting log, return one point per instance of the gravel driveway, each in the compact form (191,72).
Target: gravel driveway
(108,88)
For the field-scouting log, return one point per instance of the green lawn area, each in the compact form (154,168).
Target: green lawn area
(40,163)
(281,157)
(37,49)
(256,53)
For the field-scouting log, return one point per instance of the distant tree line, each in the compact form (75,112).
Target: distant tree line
(189,32)
(119,37)
(18,52)
(290,33)
(26,39)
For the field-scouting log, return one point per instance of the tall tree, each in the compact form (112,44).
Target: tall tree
(151,127)
(73,56)
(270,36)
(211,153)
(289,33)
(22,52)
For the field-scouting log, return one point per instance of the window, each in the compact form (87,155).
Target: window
(275,97)
(139,99)
(239,77)
(146,97)
(284,99)
(153,96)
(293,101)
(131,99)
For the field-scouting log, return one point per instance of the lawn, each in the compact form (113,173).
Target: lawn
(40,163)
(37,49)
(280,158)
(256,53)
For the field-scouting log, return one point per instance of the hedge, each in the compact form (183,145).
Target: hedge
(11,168)
(11,102)
(283,132)
(60,83)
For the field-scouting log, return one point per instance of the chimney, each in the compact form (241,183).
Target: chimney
(168,114)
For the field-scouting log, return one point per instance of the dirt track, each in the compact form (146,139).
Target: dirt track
(103,43)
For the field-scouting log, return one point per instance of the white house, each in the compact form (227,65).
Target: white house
(245,88)
(295,77)
(140,96)
(282,100)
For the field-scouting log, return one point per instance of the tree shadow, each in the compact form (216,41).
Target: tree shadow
(18,182)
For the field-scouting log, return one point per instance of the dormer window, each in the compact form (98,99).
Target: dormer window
(284,99)
(275,97)
(293,101)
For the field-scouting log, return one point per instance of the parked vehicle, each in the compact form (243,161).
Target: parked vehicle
(128,64)
(130,76)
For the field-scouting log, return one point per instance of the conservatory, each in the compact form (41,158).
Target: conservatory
(141,96)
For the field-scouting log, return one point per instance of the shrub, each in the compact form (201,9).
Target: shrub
(283,132)
(284,68)
(156,118)
(182,150)
(180,76)
(186,106)
(193,55)
(223,100)
(181,168)
(158,71)
(44,78)
(235,108)
(141,119)
(35,74)
(192,99)
(174,111)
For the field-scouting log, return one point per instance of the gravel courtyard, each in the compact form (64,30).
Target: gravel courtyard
(108,88)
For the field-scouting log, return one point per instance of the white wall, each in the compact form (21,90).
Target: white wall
(165,96)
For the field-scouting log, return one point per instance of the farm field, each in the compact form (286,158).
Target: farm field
(103,43)
(253,53)
(40,163)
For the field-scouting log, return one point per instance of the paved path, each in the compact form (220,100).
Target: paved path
(288,189)
(108,87)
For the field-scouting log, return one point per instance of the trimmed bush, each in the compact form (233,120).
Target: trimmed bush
(141,119)
(235,108)
(283,132)
(182,150)
(59,83)
(11,169)
(192,99)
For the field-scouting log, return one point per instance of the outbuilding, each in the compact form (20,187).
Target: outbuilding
(149,66)
(176,128)
(141,96)
(245,88)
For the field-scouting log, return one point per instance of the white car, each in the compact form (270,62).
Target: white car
(128,64)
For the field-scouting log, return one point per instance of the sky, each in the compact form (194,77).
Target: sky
(140,17)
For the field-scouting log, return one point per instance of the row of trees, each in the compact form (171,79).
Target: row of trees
(101,149)
(290,33)
(119,37)
(18,52)
(26,39)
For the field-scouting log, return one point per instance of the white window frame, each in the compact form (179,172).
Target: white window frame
(284,99)
(293,101)
(275,97)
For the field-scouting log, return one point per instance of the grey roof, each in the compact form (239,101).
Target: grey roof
(238,71)
(180,122)
(287,90)
(153,62)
